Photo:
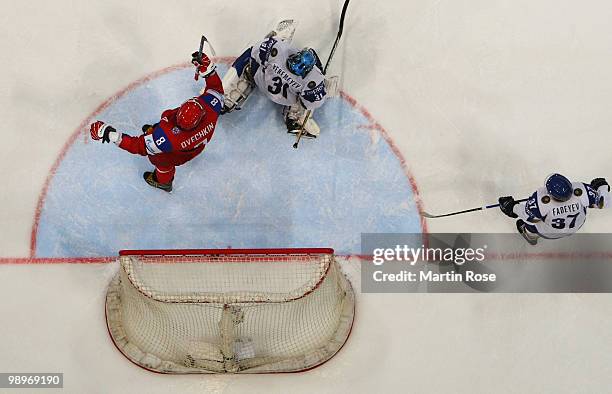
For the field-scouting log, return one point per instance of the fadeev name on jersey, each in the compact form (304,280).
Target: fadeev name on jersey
(575,207)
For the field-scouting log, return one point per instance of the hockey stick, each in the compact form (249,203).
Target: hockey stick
(329,58)
(430,216)
(340,29)
(302,127)
(204,40)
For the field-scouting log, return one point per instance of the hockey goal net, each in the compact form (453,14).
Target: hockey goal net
(218,311)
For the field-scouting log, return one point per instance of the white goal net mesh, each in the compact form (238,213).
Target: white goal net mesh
(229,311)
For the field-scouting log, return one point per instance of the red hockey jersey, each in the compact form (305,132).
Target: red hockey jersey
(166,137)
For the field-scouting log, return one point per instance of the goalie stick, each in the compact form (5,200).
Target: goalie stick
(430,216)
(340,29)
(329,58)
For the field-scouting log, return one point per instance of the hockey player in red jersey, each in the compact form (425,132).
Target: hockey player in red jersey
(181,134)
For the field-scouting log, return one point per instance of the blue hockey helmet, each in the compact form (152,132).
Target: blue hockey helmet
(559,187)
(302,62)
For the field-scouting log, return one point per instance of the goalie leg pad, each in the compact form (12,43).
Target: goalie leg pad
(237,89)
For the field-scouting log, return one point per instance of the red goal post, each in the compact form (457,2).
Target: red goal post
(229,310)
(224,252)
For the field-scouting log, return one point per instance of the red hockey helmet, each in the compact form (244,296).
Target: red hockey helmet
(189,114)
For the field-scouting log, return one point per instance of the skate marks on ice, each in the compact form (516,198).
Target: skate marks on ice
(249,188)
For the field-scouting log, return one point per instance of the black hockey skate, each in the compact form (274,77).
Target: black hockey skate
(293,127)
(151,179)
(146,128)
(520,226)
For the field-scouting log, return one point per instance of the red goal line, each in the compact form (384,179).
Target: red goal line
(220,252)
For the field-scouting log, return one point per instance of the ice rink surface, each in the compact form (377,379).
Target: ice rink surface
(481,99)
(249,191)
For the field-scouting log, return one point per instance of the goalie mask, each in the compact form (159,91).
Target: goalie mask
(301,63)
(189,114)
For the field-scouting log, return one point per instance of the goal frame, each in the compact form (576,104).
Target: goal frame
(271,255)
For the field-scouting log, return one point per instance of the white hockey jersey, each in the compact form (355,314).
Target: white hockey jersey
(269,70)
(556,219)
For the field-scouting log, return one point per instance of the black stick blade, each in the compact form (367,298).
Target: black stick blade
(428,215)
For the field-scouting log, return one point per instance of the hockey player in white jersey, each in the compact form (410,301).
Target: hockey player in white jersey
(288,76)
(558,209)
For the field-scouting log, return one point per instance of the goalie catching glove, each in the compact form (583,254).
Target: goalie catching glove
(102,131)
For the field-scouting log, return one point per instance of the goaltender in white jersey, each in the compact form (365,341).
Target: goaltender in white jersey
(558,209)
(288,76)
(285,87)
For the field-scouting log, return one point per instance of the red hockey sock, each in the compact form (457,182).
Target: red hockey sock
(164,174)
